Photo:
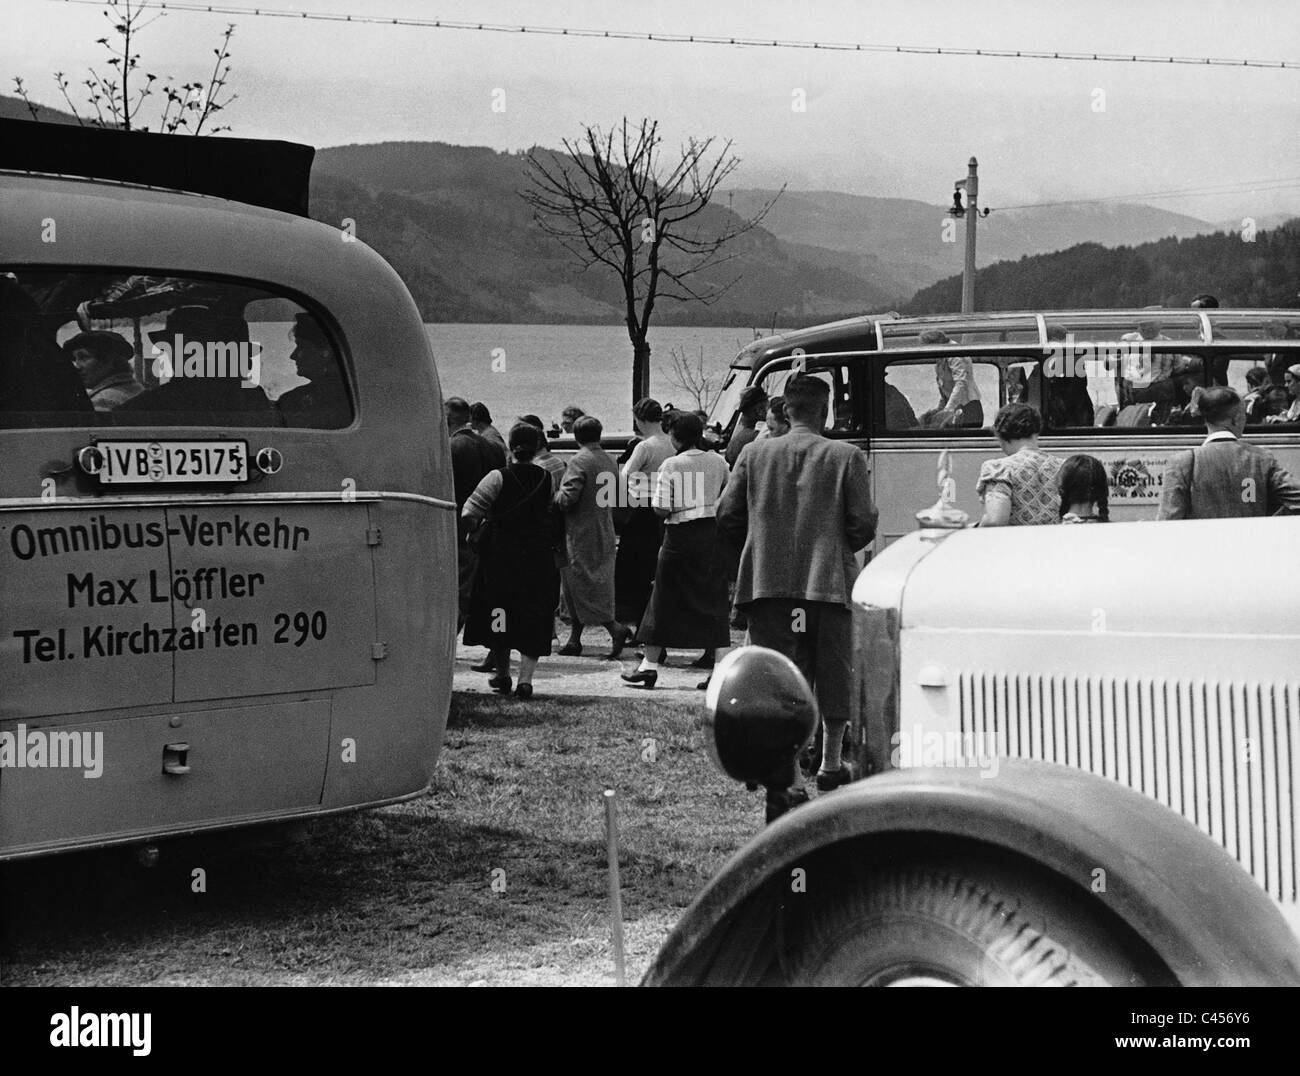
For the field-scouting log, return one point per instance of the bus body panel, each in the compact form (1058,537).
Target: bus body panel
(242,762)
(331,584)
(903,472)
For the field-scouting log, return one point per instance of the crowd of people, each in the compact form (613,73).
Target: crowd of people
(668,545)
(630,545)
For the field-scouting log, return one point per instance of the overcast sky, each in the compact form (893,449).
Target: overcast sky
(881,124)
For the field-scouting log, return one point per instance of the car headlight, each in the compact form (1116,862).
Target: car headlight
(760,713)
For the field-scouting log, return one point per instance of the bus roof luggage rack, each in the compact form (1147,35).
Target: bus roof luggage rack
(261,172)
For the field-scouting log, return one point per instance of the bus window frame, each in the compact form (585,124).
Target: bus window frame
(858,429)
(324,318)
(1036,353)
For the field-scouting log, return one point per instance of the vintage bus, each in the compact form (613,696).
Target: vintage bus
(227,527)
(1116,384)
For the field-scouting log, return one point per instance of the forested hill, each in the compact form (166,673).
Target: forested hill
(1168,272)
(451,221)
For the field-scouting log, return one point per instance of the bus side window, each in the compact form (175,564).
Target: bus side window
(840,414)
(913,394)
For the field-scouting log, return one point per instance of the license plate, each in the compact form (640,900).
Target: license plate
(173,461)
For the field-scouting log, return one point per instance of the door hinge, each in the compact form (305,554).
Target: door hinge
(378,651)
(374,536)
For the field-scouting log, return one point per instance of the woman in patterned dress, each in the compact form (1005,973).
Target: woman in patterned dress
(1020,489)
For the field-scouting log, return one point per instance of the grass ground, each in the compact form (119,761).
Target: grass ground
(406,894)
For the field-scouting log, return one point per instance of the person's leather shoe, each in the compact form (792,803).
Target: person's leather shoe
(781,800)
(501,684)
(486,665)
(827,782)
(570,650)
(703,685)
(645,678)
(624,637)
(524,691)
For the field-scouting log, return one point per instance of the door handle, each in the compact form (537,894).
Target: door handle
(176,759)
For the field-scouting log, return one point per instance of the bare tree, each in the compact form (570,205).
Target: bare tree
(611,200)
(691,377)
(110,96)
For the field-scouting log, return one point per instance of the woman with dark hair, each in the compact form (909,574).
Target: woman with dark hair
(1085,491)
(512,605)
(688,605)
(638,543)
(1020,489)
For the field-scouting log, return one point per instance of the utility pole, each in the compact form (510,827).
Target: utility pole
(971,212)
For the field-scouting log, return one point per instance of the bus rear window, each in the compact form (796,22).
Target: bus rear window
(139,349)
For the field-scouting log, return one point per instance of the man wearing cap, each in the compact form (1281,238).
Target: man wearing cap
(753,406)
(103,361)
(1225,476)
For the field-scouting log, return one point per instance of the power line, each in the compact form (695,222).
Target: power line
(1279,183)
(708,39)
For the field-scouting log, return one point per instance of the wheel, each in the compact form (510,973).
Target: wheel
(957,918)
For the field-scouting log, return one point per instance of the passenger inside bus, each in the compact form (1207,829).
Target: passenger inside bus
(1277,404)
(1016,387)
(899,414)
(322,402)
(104,362)
(1276,362)
(227,389)
(959,396)
(38,383)
(1291,385)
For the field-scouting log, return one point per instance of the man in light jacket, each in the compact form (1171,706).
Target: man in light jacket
(1226,476)
(798,507)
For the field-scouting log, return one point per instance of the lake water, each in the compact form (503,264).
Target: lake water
(540,369)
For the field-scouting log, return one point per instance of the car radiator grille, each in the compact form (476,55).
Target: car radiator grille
(1224,755)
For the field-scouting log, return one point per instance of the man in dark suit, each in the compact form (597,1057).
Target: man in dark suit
(472,458)
(798,507)
(1226,477)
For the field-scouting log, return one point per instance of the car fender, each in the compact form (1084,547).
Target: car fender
(1204,917)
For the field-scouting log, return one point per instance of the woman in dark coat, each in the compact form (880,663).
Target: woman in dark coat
(512,605)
